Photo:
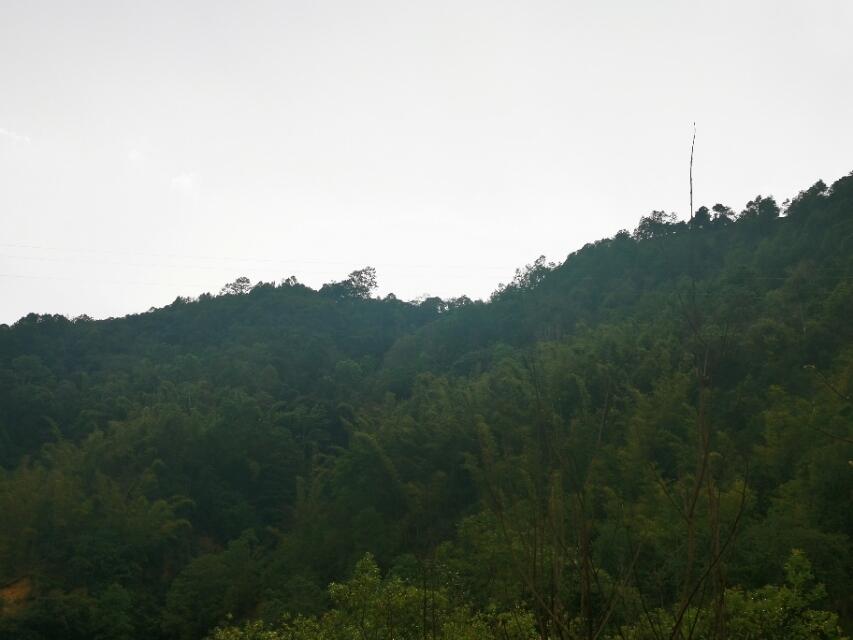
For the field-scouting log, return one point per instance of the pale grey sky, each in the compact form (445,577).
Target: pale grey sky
(154,149)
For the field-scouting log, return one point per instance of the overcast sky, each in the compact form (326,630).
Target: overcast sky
(155,149)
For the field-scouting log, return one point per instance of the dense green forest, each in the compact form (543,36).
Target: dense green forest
(653,439)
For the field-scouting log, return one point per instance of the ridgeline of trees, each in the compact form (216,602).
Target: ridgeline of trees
(651,440)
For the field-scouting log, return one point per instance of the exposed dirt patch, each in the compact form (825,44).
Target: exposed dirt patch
(14,596)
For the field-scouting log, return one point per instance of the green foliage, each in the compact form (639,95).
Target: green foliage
(359,284)
(368,606)
(211,587)
(631,442)
(784,612)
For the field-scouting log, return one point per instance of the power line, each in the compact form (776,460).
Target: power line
(98,280)
(246,259)
(130,264)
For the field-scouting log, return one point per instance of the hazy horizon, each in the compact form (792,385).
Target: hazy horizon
(153,151)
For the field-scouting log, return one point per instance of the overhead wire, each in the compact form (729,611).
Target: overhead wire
(299,261)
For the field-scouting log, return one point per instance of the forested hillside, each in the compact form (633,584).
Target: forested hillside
(653,439)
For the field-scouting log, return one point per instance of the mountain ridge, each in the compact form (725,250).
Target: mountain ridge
(234,454)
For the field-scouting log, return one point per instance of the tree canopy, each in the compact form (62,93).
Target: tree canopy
(651,439)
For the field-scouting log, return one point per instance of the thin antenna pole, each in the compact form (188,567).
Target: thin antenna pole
(692,144)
